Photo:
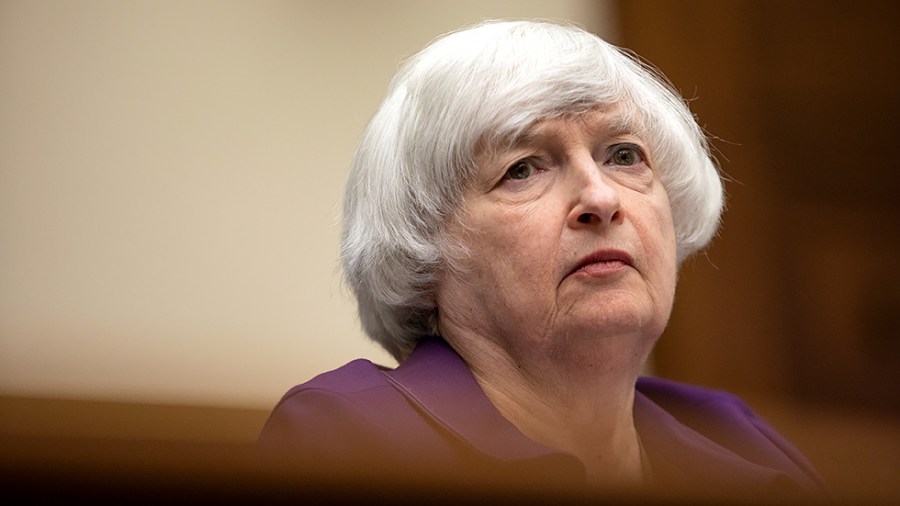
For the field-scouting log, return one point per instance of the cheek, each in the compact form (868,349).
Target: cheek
(663,252)
(665,231)
(657,234)
(519,236)
(502,282)
(512,254)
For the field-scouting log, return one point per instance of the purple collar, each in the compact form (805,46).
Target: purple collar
(438,381)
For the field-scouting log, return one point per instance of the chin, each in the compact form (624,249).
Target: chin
(615,317)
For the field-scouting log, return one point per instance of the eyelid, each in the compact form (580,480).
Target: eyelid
(508,184)
(619,145)
(531,160)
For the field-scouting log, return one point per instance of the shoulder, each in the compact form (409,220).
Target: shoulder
(672,395)
(719,416)
(352,415)
(359,382)
(718,420)
(358,375)
(326,411)
(346,393)
(716,414)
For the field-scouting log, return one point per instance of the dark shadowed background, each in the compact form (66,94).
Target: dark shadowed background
(797,303)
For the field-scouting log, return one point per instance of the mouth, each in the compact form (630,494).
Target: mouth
(603,262)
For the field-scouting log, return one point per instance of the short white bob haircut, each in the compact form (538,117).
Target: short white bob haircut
(483,86)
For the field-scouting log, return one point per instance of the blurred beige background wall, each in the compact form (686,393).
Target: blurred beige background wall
(170,183)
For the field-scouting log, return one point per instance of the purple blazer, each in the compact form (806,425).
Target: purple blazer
(430,413)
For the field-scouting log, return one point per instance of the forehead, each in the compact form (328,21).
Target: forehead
(596,122)
(600,120)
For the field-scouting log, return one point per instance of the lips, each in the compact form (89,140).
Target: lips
(604,261)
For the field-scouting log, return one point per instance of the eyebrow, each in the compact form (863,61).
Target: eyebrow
(623,124)
(612,126)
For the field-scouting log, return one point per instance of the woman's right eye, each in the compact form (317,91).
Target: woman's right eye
(523,169)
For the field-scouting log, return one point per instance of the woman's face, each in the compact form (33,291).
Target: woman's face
(570,236)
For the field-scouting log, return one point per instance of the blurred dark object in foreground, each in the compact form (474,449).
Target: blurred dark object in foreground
(66,450)
(127,472)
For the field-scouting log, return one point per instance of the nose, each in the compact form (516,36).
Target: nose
(596,196)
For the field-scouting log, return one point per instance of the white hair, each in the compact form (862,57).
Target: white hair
(478,87)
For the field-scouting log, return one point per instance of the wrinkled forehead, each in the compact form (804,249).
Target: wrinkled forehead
(618,118)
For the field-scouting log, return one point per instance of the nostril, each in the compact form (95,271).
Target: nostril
(584,218)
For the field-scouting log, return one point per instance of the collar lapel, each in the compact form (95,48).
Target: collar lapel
(437,381)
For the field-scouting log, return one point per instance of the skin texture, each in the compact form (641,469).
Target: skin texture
(557,342)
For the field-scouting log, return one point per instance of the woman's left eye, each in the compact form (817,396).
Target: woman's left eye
(626,154)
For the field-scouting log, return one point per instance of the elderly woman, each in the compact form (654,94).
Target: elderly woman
(514,221)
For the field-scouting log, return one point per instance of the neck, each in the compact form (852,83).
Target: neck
(584,409)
